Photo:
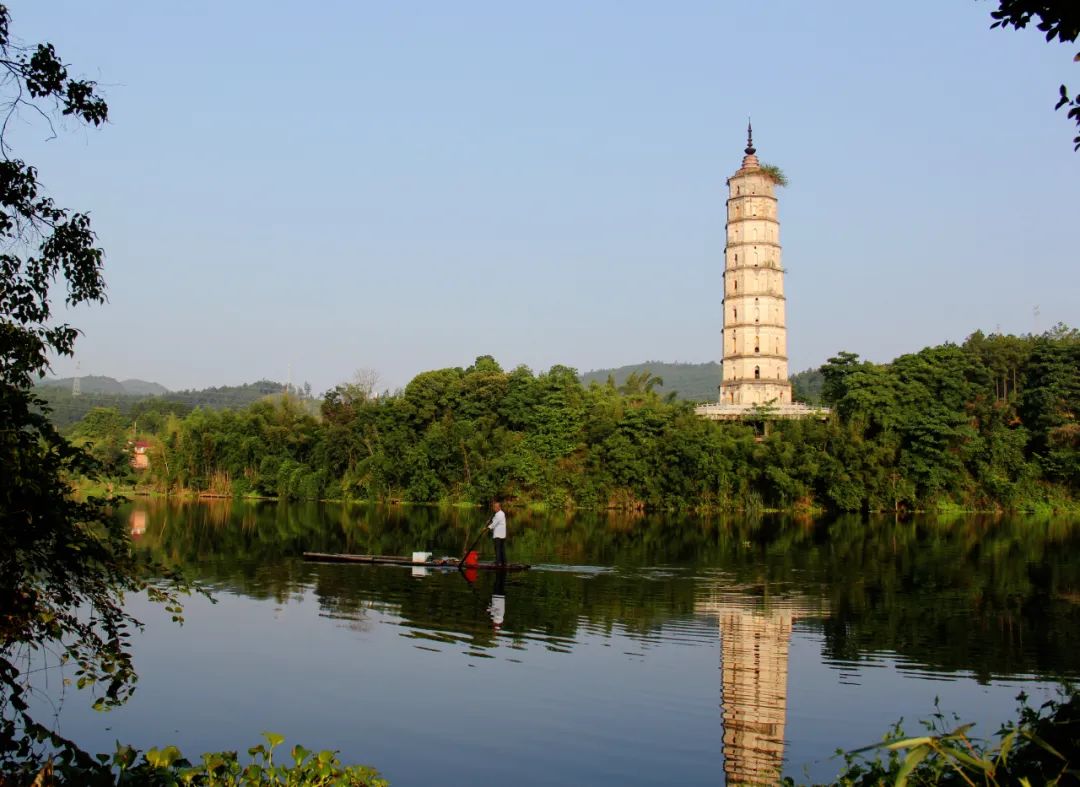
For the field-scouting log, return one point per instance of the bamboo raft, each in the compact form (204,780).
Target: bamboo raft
(393,560)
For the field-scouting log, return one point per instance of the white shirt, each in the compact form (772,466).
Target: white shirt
(498,525)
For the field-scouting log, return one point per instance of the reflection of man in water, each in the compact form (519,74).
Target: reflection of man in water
(497,610)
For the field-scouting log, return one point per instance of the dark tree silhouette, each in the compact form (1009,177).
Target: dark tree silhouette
(1058,19)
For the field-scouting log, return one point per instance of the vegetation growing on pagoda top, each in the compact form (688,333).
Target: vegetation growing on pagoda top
(775,174)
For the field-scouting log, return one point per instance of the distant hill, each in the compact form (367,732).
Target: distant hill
(699,382)
(91,384)
(227,396)
(806,386)
(66,409)
(694,382)
(96,384)
(144,388)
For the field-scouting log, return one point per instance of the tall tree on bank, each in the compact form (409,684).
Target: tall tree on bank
(64,564)
(1058,19)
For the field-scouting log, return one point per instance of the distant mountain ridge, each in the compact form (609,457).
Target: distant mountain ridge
(66,409)
(694,382)
(143,387)
(699,382)
(93,383)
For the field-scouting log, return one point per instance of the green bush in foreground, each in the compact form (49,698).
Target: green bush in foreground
(1042,747)
(167,767)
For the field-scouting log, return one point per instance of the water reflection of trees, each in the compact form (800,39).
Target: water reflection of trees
(995,596)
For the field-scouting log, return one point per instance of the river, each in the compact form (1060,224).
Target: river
(639,650)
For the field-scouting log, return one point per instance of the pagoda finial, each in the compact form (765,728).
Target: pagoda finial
(750,150)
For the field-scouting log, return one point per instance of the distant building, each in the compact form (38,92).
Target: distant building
(140,459)
(754,338)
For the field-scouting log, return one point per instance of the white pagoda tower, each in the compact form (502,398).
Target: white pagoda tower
(755,363)
(755,368)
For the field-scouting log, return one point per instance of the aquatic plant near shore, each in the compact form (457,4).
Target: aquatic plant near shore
(167,767)
(1041,747)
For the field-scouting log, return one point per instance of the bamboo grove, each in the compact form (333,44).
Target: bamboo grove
(989,424)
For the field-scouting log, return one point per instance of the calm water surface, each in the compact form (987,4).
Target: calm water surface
(641,650)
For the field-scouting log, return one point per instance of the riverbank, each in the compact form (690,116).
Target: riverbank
(1048,506)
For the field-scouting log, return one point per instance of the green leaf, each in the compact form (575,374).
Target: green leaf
(908,743)
(274,739)
(982,765)
(162,758)
(1006,746)
(914,757)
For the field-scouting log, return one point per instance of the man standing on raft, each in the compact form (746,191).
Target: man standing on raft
(497,526)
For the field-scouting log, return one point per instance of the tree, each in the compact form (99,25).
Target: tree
(1049,406)
(1059,19)
(107,435)
(64,563)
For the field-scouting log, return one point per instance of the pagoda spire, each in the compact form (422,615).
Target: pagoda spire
(750,161)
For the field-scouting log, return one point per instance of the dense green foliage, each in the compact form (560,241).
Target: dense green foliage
(989,424)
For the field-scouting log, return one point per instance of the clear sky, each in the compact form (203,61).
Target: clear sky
(406,186)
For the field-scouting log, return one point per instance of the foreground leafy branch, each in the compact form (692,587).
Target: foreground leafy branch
(1040,747)
(1058,19)
(65,564)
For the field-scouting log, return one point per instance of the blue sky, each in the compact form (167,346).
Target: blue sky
(406,186)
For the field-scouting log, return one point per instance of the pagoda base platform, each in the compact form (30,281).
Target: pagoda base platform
(761,412)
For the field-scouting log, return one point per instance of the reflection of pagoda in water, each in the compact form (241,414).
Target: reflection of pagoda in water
(755,637)
(137,522)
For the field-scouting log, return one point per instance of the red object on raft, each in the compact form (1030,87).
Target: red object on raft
(471,559)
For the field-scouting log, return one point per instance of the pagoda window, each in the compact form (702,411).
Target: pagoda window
(757,372)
